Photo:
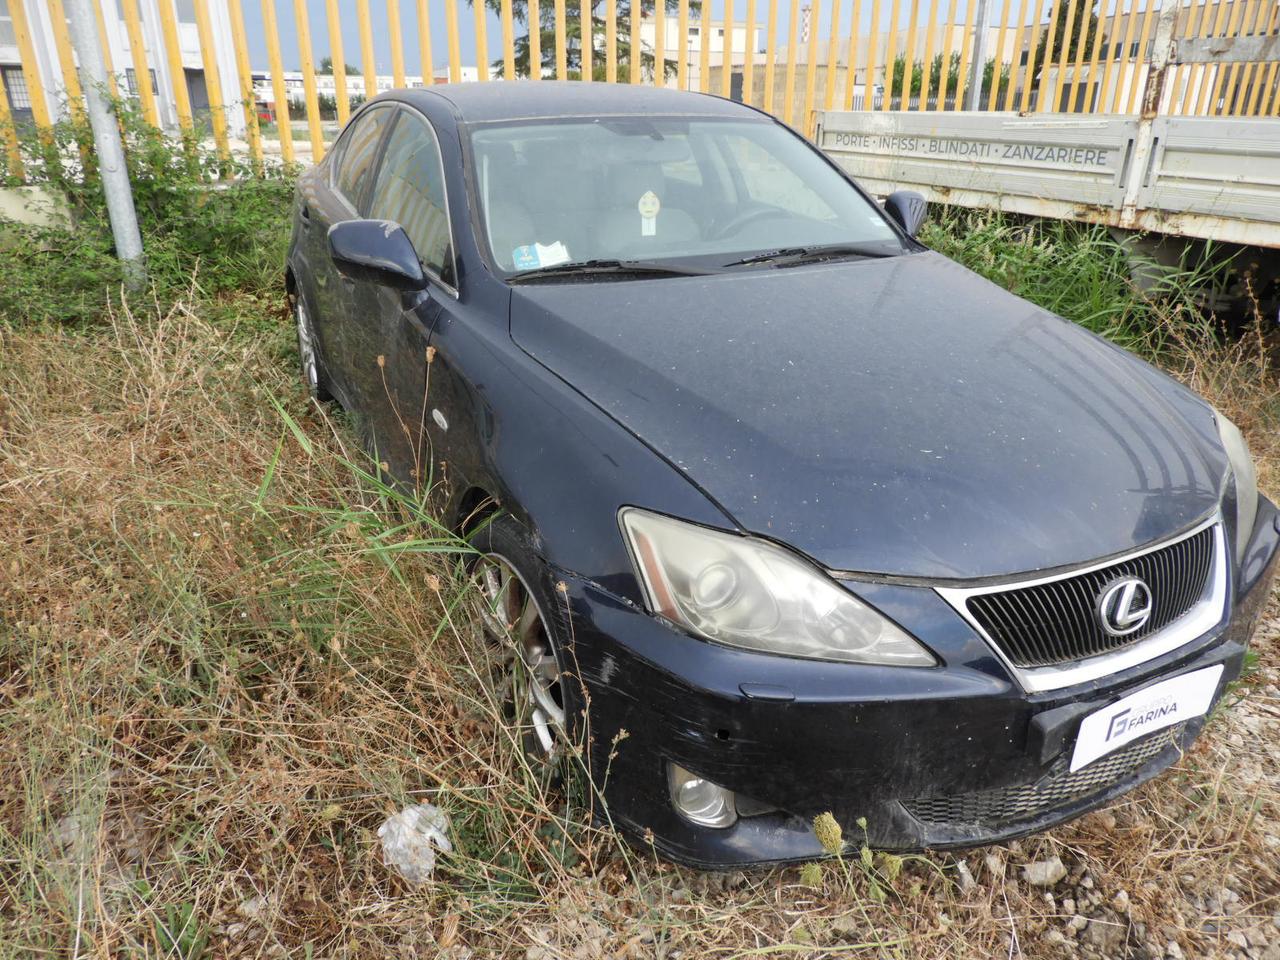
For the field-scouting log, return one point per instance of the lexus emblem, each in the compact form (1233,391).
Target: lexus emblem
(1124,606)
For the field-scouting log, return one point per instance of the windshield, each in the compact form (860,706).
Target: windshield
(663,190)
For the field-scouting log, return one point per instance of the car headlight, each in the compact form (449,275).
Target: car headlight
(750,593)
(1246,478)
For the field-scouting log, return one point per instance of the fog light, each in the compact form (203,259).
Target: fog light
(700,801)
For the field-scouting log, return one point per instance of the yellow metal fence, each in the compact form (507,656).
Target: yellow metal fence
(1041,55)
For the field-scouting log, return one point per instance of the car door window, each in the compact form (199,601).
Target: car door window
(356,154)
(409,189)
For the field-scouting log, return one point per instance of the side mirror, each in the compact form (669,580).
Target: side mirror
(908,208)
(377,251)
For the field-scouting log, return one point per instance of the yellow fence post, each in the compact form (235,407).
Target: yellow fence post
(455,43)
(248,99)
(962,81)
(833,55)
(1017,55)
(424,42)
(926,64)
(106,49)
(1082,39)
(396,39)
(873,51)
(634,12)
(726,51)
(303,25)
(659,42)
(909,66)
(562,50)
(1093,57)
(811,68)
(1045,88)
(1001,35)
(1107,58)
(534,17)
(173,52)
(212,82)
(66,60)
(948,41)
(704,46)
(482,40)
(770,54)
(137,52)
(1029,71)
(278,90)
(1068,34)
(508,41)
(9,135)
(891,55)
(1139,72)
(611,40)
(1122,54)
(369,64)
(682,40)
(337,60)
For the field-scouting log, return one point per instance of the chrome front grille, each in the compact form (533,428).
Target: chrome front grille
(1056,621)
(1057,788)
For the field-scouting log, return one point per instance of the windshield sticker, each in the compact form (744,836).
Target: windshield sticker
(534,255)
(649,206)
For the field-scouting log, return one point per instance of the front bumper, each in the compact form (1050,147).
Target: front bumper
(930,757)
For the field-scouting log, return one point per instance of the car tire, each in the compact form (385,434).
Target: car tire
(525,613)
(309,362)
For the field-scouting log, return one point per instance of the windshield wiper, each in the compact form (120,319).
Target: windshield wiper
(592,267)
(790,256)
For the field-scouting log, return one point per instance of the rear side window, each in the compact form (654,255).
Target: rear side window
(357,152)
(409,189)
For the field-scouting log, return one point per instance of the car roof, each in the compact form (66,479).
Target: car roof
(528,99)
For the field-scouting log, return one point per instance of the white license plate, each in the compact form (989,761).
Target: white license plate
(1150,709)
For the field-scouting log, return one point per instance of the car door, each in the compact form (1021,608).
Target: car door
(395,327)
(341,195)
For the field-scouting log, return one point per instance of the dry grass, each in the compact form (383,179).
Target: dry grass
(226,654)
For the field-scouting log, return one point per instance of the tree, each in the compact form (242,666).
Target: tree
(326,68)
(573,35)
(1079,33)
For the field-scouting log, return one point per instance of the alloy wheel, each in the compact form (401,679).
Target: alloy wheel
(307,348)
(511,613)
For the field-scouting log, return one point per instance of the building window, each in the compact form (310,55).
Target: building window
(16,84)
(693,31)
(132,77)
(720,32)
(7,37)
(186,11)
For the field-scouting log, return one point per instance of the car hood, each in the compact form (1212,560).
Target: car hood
(900,417)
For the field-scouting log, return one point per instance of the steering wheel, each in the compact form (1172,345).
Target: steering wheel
(747,216)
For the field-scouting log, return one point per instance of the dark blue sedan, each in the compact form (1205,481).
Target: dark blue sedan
(823,520)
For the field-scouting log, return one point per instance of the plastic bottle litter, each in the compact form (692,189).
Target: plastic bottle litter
(411,838)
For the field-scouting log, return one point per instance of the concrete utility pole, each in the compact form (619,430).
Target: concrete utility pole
(973,93)
(106,141)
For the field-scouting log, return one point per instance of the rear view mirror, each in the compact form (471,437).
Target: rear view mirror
(376,251)
(908,209)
